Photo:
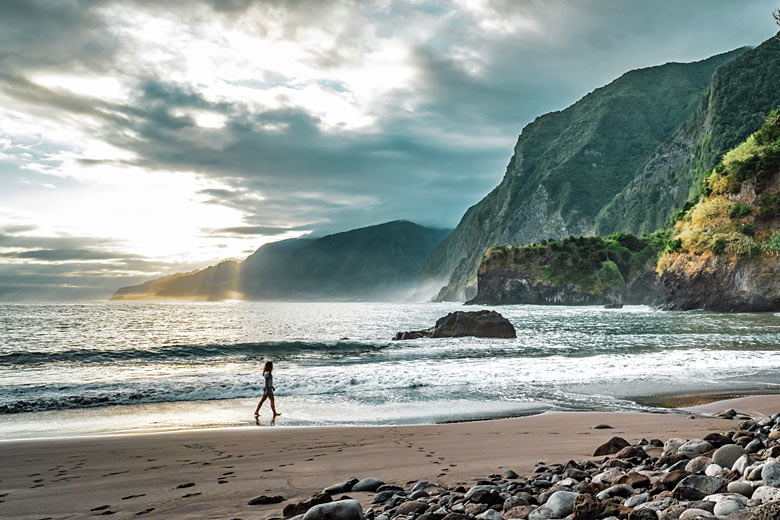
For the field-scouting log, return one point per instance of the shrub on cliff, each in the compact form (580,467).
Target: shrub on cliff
(740,202)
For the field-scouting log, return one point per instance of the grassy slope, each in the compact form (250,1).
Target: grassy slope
(742,92)
(738,213)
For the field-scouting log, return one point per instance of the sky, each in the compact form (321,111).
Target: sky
(142,138)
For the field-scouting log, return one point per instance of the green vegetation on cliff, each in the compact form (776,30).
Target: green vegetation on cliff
(723,252)
(742,92)
(738,211)
(592,264)
(568,165)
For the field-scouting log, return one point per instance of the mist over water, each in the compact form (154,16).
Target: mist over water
(113,367)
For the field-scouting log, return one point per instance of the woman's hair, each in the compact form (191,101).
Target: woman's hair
(268,367)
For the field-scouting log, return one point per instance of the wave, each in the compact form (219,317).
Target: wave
(283,350)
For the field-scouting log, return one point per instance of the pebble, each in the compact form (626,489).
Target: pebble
(339,510)
(770,474)
(691,479)
(727,455)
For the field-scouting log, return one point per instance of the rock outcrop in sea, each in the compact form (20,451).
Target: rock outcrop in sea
(732,475)
(481,324)
(573,271)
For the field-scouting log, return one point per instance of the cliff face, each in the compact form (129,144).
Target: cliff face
(372,263)
(579,271)
(724,252)
(743,91)
(567,166)
(719,284)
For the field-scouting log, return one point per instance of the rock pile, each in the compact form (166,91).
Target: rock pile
(730,476)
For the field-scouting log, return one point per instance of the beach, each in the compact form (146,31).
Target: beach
(214,473)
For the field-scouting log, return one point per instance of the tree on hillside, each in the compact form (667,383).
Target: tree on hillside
(776,15)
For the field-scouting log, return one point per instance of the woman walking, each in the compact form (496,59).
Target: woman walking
(268,391)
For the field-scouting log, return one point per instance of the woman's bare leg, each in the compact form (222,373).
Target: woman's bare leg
(273,405)
(262,400)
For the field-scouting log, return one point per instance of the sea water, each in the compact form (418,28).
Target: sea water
(90,368)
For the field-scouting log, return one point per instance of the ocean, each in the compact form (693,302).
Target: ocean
(73,369)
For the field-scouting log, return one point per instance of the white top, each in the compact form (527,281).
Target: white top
(269,381)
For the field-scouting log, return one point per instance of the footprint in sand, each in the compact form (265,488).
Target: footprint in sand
(139,513)
(128,497)
(185,485)
(188,495)
(100,508)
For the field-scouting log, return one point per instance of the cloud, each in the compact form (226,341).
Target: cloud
(298,116)
(58,255)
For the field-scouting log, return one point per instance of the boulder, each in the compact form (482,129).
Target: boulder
(367,484)
(410,507)
(490,514)
(635,500)
(741,487)
(766,494)
(695,513)
(339,510)
(630,452)
(695,447)
(610,447)
(696,487)
(543,513)
(481,324)
(770,511)
(561,503)
(727,506)
(519,512)
(770,475)
(485,494)
(341,487)
(672,478)
(264,499)
(300,508)
(699,464)
(634,479)
(727,455)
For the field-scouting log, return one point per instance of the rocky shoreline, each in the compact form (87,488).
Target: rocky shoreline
(733,475)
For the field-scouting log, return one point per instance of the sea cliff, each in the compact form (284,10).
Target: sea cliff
(572,271)
(724,251)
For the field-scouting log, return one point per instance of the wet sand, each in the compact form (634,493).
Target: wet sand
(214,473)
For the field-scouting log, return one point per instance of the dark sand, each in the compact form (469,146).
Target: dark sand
(214,473)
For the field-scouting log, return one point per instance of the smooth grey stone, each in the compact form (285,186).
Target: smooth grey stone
(561,503)
(727,455)
(341,487)
(490,514)
(696,487)
(741,487)
(635,500)
(728,506)
(770,475)
(339,510)
(367,484)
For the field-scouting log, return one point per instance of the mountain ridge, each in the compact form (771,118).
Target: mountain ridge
(374,262)
(569,164)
